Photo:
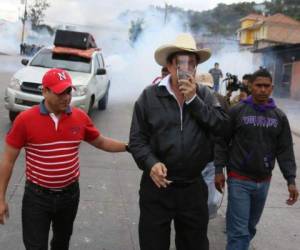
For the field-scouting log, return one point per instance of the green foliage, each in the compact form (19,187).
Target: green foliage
(36,13)
(224,20)
(287,7)
(135,30)
(43,27)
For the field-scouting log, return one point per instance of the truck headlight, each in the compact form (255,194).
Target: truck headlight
(81,90)
(15,84)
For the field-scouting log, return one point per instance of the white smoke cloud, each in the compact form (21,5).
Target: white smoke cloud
(133,68)
(231,60)
(10,36)
(97,12)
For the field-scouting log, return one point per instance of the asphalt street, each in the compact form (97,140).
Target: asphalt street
(108,213)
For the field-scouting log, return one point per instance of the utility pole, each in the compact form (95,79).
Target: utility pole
(166,13)
(24,21)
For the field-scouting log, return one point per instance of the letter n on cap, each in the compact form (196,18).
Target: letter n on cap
(61,76)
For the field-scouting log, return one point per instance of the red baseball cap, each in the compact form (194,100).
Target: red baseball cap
(57,80)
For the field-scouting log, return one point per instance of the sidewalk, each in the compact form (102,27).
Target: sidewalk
(292,109)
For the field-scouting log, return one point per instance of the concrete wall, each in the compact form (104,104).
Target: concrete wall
(295,86)
(283,33)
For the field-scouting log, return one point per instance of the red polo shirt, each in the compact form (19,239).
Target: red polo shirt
(52,159)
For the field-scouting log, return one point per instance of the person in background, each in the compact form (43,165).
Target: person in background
(259,133)
(244,90)
(214,196)
(246,82)
(217,74)
(206,79)
(164,73)
(51,134)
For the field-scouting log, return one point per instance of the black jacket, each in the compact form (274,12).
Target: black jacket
(159,134)
(257,136)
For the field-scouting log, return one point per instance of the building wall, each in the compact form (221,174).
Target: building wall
(295,86)
(247,37)
(260,33)
(247,23)
(283,33)
(275,63)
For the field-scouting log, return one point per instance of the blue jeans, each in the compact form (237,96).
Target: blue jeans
(246,201)
(216,86)
(40,209)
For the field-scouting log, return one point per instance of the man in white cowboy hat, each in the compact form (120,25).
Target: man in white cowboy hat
(170,141)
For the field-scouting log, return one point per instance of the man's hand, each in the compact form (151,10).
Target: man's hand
(220,182)
(293,194)
(4,212)
(188,88)
(158,174)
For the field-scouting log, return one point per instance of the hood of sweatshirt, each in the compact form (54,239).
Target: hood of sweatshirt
(260,107)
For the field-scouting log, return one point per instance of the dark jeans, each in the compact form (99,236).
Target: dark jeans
(185,205)
(40,208)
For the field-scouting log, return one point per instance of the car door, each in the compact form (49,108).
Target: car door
(102,82)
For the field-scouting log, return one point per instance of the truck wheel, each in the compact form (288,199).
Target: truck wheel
(91,105)
(13,115)
(102,104)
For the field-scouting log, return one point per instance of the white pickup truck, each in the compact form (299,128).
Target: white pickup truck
(89,76)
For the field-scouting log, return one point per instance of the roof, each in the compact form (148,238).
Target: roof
(280,18)
(254,17)
(278,47)
(254,26)
(276,18)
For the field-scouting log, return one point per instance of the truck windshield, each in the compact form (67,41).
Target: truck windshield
(45,58)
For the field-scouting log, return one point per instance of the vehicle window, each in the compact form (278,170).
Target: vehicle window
(45,58)
(97,65)
(100,58)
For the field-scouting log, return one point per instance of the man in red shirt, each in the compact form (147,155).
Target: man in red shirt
(50,133)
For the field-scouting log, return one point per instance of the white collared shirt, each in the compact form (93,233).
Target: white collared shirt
(166,81)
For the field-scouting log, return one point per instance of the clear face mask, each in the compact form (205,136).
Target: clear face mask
(186,67)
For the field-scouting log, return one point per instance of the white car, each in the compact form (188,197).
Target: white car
(89,76)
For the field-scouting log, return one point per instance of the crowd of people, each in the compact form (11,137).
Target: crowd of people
(181,126)
(29,49)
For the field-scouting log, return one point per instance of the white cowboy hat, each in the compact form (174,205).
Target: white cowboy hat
(183,43)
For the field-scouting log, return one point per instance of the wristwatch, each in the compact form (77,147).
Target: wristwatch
(127,147)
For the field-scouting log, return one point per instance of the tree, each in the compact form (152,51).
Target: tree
(288,7)
(135,30)
(36,13)
(222,20)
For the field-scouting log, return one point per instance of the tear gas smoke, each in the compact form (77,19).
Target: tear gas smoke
(132,68)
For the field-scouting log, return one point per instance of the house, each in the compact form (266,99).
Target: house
(249,29)
(275,42)
(260,31)
(283,61)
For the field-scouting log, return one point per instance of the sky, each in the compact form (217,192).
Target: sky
(91,12)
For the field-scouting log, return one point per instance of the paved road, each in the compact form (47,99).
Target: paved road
(108,213)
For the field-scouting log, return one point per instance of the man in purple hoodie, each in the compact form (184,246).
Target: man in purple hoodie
(259,133)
